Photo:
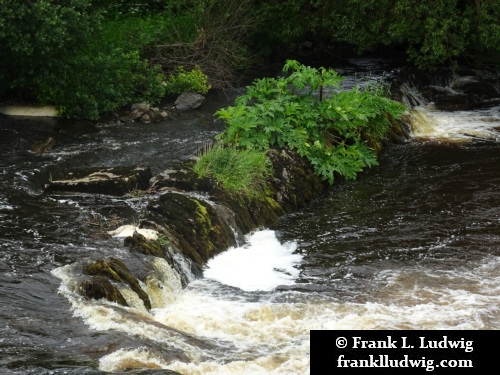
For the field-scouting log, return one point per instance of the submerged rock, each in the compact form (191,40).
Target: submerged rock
(109,181)
(46,146)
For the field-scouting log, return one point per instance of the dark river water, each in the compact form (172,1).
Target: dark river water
(413,243)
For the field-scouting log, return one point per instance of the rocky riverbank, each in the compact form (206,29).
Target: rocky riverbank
(190,216)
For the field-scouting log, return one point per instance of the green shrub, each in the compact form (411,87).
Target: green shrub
(36,36)
(194,80)
(96,82)
(60,54)
(431,32)
(304,112)
(144,32)
(242,172)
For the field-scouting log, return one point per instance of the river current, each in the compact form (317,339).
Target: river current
(413,243)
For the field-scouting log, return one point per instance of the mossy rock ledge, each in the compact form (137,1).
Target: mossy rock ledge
(198,219)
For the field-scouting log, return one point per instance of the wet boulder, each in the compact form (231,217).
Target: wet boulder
(449,89)
(453,102)
(110,181)
(140,244)
(194,226)
(202,226)
(162,247)
(116,270)
(99,287)
(294,182)
(480,89)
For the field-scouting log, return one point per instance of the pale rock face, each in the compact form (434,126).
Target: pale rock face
(128,231)
(189,100)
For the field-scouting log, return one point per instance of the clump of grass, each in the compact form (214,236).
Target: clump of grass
(162,240)
(241,172)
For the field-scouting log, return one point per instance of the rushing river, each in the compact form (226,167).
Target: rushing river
(413,243)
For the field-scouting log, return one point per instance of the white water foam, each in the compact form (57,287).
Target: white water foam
(263,337)
(262,264)
(427,122)
(4,205)
(258,336)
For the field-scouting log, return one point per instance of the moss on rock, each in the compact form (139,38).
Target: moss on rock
(200,220)
(137,242)
(99,287)
(116,270)
(195,226)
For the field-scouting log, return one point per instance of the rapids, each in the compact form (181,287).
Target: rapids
(413,243)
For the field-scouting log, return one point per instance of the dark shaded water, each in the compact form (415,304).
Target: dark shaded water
(428,208)
(412,244)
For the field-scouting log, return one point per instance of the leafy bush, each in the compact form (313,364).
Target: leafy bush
(194,80)
(145,31)
(60,54)
(124,8)
(36,36)
(97,82)
(431,32)
(242,172)
(293,111)
(218,44)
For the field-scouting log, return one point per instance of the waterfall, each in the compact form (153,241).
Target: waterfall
(455,109)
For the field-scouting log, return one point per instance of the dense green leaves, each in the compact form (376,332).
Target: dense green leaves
(98,82)
(333,133)
(57,52)
(182,80)
(88,56)
(36,35)
(432,32)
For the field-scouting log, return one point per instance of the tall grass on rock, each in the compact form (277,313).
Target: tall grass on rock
(241,172)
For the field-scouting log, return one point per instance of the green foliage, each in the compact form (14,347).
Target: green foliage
(333,133)
(242,172)
(36,35)
(59,54)
(432,32)
(115,9)
(218,44)
(194,80)
(163,241)
(142,32)
(100,82)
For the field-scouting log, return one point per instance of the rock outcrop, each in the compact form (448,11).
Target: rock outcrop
(109,181)
(195,218)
